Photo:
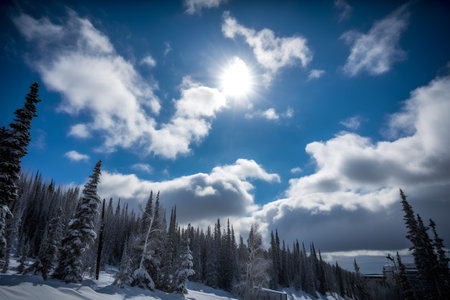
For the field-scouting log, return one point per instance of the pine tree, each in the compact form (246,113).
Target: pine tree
(211,276)
(13,147)
(443,270)
(185,267)
(123,277)
(80,234)
(49,249)
(427,263)
(425,259)
(406,290)
(255,276)
(100,242)
(141,276)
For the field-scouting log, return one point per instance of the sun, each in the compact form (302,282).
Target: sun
(236,80)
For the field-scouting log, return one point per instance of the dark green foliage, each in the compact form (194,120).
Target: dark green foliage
(80,234)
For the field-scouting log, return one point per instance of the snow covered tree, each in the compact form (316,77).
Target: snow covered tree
(80,233)
(185,269)
(256,267)
(123,277)
(13,147)
(48,253)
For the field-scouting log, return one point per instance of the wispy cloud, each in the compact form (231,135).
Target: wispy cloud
(146,168)
(352,123)
(345,10)
(271,52)
(270,114)
(314,74)
(376,51)
(76,156)
(149,61)
(296,170)
(167,48)
(196,6)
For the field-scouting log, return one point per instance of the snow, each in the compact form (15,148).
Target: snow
(19,287)
(30,287)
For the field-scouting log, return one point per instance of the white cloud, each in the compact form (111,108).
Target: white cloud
(192,120)
(354,172)
(80,63)
(344,8)
(224,192)
(313,74)
(271,52)
(75,156)
(357,180)
(352,123)
(146,168)
(80,131)
(296,170)
(270,114)
(34,29)
(149,61)
(195,6)
(376,51)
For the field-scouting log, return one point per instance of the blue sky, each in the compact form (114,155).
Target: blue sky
(349,102)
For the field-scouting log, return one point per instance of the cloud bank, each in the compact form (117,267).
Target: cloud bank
(354,189)
(224,192)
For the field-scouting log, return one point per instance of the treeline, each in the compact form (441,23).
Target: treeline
(152,252)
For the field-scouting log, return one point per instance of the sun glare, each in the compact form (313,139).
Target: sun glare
(236,79)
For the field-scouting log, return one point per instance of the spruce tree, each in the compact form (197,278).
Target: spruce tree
(100,242)
(80,233)
(123,277)
(443,270)
(13,147)
(405,288)
(185,269)
(48,253)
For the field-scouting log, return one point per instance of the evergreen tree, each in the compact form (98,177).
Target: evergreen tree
(123,277)
(405,288)
(443,270)
(80,234)
(256,275)
(13,147)
(49,249)
(100,242)
(141,275)
(274,255)
(185,267)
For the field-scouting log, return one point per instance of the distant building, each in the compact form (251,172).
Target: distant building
(389,272)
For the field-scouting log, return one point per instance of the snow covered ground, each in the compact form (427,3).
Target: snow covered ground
(19,287)
(15,287)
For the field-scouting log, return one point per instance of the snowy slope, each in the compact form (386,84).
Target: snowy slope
(19,287)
